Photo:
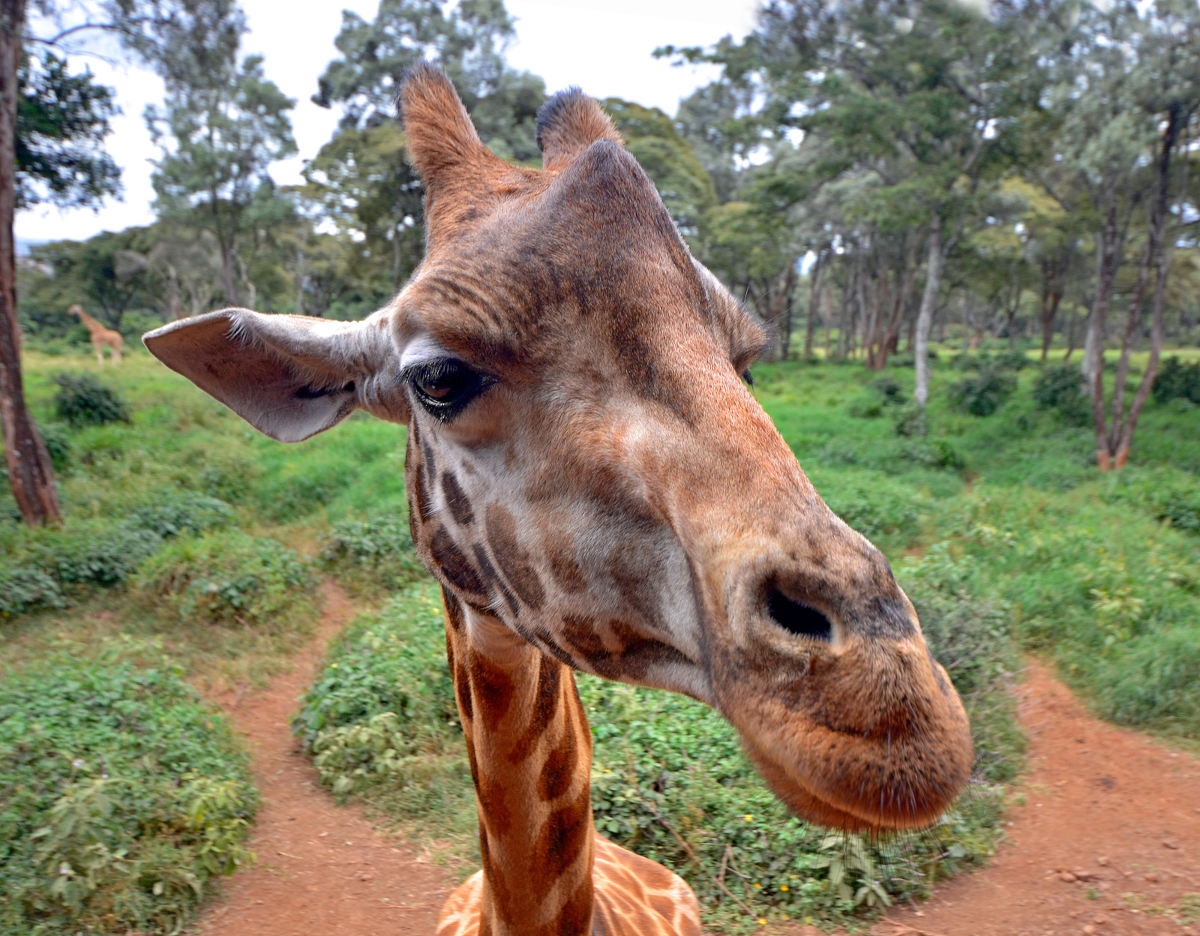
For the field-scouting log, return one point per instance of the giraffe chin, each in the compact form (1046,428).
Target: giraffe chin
(897,764)
(863,816)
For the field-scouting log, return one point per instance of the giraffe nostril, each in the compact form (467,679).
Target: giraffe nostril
(797,618)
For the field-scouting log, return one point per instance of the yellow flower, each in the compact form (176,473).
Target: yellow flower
(757,886)
(762,921)
(748,817)
(783,887)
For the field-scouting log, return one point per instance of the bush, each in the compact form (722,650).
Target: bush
(1010,360)
(227,577)
(1061,389)
(376,552)
(181,512)
(57,444)
(384,697)
(82,400)
(57,562)
(1176,380)
(124,798)
(984,393)
(970,633)
(25,588)
(890,389)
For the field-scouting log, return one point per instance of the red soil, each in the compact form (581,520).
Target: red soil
(1104,837)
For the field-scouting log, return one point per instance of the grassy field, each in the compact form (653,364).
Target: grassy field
(192,545)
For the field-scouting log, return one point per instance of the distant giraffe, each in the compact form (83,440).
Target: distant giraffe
(595,488)
(101,337)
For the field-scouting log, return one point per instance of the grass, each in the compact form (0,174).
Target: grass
(187,531)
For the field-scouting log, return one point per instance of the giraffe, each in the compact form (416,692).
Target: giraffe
(594,487)
(101,337)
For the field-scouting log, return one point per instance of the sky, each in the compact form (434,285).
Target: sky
(602,47)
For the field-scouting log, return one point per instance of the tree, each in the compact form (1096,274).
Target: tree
(361,176)
(222,126)
(1129,91)
(927,97)
(62,120)
(365,187)
(50,124)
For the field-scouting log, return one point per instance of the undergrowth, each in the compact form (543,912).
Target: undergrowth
(124,797)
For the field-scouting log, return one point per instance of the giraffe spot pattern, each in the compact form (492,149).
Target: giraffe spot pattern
(635,655)
(512,560)
(559,548)
(456,500)
(453,564)
(493,579)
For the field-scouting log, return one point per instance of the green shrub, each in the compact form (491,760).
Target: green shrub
(82,400)
(375,552)
(227,577)
(982,394)
(57,444)
(1060,388)
(26,588)
(106,558)
(125,798)
(970,632)
(910,421)
(866,406)
(384,698)
(1010,360)
(890,389)
(181,512)
(878,507)
(1176,380)
(56,563)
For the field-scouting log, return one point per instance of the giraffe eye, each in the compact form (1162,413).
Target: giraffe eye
(445,386)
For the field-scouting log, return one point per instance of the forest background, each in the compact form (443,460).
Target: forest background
(865,176)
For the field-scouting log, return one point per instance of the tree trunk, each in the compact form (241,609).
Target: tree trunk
(814,304)
(1093,358)
(1159,254)
(933,282)
(30,473)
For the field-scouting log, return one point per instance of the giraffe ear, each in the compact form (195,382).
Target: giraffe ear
(568,124)
(289,376)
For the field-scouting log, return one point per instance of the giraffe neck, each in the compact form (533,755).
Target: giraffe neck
(530,750)
(89,323)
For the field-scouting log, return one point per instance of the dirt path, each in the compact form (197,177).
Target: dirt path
(1104,837)
(322,870)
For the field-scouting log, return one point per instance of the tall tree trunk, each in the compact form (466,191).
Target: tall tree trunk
(786,312)
(814,304)
(1121,437)
(30,472)
(933,282)
(1093,357)
(1051,297)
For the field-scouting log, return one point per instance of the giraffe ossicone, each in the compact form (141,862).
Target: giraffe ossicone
(595,488)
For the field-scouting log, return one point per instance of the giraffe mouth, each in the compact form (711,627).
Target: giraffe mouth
(841,745)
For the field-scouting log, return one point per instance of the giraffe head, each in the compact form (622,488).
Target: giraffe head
(588,472)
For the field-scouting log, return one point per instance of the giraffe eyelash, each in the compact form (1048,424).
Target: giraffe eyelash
(445,386)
